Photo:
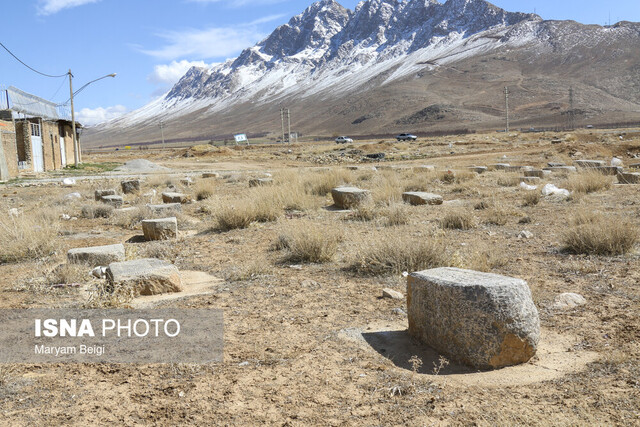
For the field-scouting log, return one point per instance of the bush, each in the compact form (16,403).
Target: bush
(531,198)
(596,234)
(588,182)
(311,243)
(391,254)
(97,211)
(27,237)
(204,189)
(321,184)
(245,212)
(457,220)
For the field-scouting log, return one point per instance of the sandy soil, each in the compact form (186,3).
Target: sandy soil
(316,344)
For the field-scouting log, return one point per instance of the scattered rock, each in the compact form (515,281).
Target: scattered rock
(528,187)
(97,255)
(552,190)
(14,213)
(399,312)
(166,208)
(568,300)
(524,234)
(186,181)
(590,163)
(629,178)
(68,182)
(390,293)
(349,197)
(556,164)
(211,175)
(175,198)
(130,187)
(145,276)
(160,229)
(484,320)
(616,162)
(257,182)
(99,272)
(375,156)
(99,194)
(421,198)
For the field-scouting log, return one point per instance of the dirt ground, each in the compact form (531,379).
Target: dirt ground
(315,343)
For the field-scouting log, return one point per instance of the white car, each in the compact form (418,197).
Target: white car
(343,140)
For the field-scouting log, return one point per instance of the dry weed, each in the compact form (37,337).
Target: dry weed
(27,237)
(457,219)
(509,180)
(203,189)
(321,184)
(588,182)
(531,198)
(97,210)
(105,295)
(597,234)
(310,242)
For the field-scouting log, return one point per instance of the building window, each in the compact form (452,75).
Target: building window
(35,129)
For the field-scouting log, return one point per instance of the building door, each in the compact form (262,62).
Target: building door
(63,152)
(36,147)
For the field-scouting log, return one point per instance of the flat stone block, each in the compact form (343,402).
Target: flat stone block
(483,320)
(478,169)
(537,173)
(166,208)
(629,178)
(175,198)
(145,276)
(419,198)
(211,175)
(97,256)
(349,197)
(160,229)
(99,194)
(499,166)
(115,201)
(530,179)
(635,166)
(556,164)
(608,170)
(590,163)
(130,186)
(561,169)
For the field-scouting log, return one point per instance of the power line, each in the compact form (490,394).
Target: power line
(31,68)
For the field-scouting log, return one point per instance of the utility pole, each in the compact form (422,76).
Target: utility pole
(289,126)
(282,121)
(76,156)
(162,125)
(572,124)
(506,103)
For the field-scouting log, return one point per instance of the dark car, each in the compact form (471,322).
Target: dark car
(406,137)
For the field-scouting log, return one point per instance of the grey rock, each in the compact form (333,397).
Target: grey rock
(499,166)
(115,201)
(211,175)
(554,169)
(524,234)
(590,163)
(390,293)
(556,164)
(480,319)
(420,198)
(349,197)
(258,182)
(568,300)
(130,186)
(478,169)
(99,194)
(530,179)
(608,170)
(175,198)
(99,272)
(73,196)
(629,178)
(97,255)
(145,276)
(166,208)
(160,229)
(536,173)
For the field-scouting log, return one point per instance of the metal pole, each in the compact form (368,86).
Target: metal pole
(289,126)
(506,102)
(76,156)
(282,120)
(572,124)
(162,133)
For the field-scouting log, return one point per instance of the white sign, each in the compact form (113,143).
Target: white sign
(241,138)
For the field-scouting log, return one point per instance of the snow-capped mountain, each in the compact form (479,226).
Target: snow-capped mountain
(376,52)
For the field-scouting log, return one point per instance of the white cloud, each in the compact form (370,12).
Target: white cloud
(49,7)
(169,74)
(90,117)
(239,3)
(216,42)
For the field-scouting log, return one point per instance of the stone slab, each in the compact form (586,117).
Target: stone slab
(166,208)
(420,198)
(115,201)
(147,276)
(349,197)
(99,194)
(169,197)
(590,163)
(629,178)
(160,229)
(97,256)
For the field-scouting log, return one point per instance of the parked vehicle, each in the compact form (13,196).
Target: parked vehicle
(343,140)
(406,137)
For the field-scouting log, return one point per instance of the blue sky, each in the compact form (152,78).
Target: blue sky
(151,43)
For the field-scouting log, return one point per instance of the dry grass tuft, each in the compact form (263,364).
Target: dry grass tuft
(497,215)
(588,182)
(27,237)
(531,198)
(310,243)
(321,184)
(396,214)
(457,219)
(248,271)
(104,295)
(97,210)
(509,180)
(391,254)
(66,274)
(597,234)
(203,189)
(246,211)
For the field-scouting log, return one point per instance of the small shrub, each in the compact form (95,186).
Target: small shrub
(509,180)
(244,212)
(204,189)
(321,184)
(496,216)
(104,295)
(596,234)
(457,220)
(97,211)
(396,214)
(482,205)
(68,274)
(311,243)
(531,198)
(391,254)
(365,212)
(588,182)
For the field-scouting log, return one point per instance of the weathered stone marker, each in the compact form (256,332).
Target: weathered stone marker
(97,255)
(561,169)
(478,169)
(258,182)
(590,163)
(99,194)
(608,170)
(166,208)
(115,201)
(420,198)
(530,179)
(629,178)
(535,173)
(131,186)
(160,229)
(349,197)
(145,276)
(211,175)
(483,320)
(175,198)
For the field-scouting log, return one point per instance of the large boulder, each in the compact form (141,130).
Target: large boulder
(97,255)
(160,229)
(145,276)
(420,198)
(349,197)
(483,320)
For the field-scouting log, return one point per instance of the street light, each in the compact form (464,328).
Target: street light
(76,153)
